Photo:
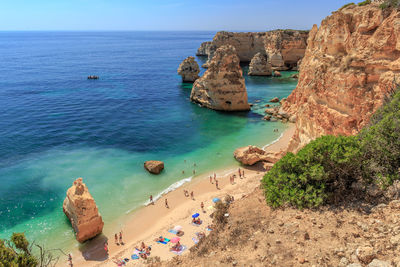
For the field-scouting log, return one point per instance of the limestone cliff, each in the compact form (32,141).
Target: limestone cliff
(222,85)
(283,47)
(81,210)
(351,64)
(189,70)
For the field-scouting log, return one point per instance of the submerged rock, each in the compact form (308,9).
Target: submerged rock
(277,74)
(81,210)
(260,66)
(222,86)
(189,70)
(154,166)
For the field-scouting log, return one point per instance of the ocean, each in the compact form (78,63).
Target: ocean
(56,126)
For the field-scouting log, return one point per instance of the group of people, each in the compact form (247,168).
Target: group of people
(177,247)
(197,221)
(186,193)
(144,251)
(215,180)
(120,239)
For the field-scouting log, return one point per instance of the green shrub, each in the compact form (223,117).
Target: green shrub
(364,3)
(346,5)
(390,3)
(16,253)
(322,171)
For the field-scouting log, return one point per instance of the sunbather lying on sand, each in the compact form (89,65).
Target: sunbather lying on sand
(177,247)
(160,239)
(196,221)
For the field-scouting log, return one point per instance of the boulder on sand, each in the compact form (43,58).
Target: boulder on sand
(250,155)
(81,210)
(154,166)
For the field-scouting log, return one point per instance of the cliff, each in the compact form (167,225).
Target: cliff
(351,64)
(222,85)
(283,47)
(81,210)
(189,70)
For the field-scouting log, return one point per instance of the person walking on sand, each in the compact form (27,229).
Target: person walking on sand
(116,239)
(243,173)
(70,260)
(202,206)
(216,184)
(215,176)
(211,179)
(166,204)
(192,195)
(151,200)
(120,238)
(240,174)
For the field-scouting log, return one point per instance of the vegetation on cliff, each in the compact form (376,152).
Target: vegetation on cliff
(324,170)
(390,3)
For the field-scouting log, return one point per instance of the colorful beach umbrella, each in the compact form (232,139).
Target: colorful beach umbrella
(175,240)
(178,228)
(215,200)
(195,215)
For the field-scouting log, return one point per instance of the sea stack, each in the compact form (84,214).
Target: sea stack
(222,85)
(260,66)
(189,70)
(81,210)
(154,166)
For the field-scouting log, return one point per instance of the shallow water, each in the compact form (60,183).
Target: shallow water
(55,125)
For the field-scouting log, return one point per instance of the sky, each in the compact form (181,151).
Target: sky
(123,15)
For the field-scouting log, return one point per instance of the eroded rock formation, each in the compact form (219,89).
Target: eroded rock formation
(250,155)
(154,166)
(189,70)
(260,66)
(222,85)
(283,47)
(81,210)
(351,64)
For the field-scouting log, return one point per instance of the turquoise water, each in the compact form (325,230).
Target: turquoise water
(56,126)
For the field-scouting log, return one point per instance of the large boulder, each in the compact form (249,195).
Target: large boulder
(250,155)
(154,166)
(81,210)
(222,86)
(260,66)
(189,70)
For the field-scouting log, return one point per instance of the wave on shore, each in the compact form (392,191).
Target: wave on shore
(273,142)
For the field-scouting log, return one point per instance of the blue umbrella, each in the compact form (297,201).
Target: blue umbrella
(215,200)
(195,215)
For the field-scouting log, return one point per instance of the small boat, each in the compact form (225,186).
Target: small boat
(93,77)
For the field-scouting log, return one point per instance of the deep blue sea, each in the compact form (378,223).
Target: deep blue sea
(56,126)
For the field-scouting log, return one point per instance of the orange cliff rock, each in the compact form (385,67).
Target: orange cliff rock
(352,63)
(81,209)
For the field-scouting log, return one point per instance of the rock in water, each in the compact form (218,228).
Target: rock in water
(250,155)
(154,166)
(189,70)
(260,66)
(81,210)
(222,85)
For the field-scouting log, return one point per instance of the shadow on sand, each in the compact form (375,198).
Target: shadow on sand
(93,250)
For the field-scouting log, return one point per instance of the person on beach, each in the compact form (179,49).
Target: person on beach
(240,174)
(143,246)
(192,195)
(151,200)
(202,206)
(216,184)
(70,260)
(211,179)
(166,204)
(120,238)
(215,176)
(243,173)
(116,239)
(106,247)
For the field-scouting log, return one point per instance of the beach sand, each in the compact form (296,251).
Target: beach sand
(153,221)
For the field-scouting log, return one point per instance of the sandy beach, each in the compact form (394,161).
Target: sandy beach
(152,221)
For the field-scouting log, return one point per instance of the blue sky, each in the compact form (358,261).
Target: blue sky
(233,15)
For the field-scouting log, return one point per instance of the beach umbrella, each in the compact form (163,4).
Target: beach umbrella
(178,228)
(195,215)
(175,239)
(215,200)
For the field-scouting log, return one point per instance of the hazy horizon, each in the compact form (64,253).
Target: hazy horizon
(163,15)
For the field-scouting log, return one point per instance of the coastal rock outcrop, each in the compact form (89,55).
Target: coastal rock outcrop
(352,63)
(154,166)
(189,70)
(250,155)
(260,66)
(222,85)
(283,47)
(81,210)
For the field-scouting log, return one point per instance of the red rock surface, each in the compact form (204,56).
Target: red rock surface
(351,64)
(81,210)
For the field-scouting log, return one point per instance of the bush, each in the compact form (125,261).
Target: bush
(364,3)
(346,5)
(390,3)
(320,172)
(219,213)
(16,252)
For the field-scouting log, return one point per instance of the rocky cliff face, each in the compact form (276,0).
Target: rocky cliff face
(189,70)
(260,65)
(81,210)
(283,47)
(351,64)
(222,85)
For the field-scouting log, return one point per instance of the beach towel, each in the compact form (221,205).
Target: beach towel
(195,224)
(166,240)
(135,257)
(195,240)
(181,251)
(209,229)
(172,231)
